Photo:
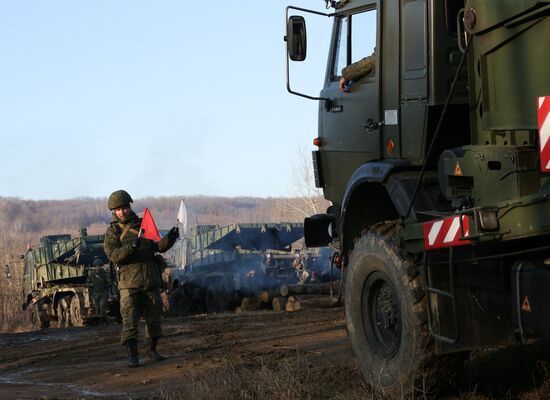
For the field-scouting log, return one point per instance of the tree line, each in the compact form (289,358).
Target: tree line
(24,222)
(23,217)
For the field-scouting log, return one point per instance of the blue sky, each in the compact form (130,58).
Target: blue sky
(159,98)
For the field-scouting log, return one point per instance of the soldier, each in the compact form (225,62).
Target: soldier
(139,274)
(301,271)
(269,264)
(99,285)
(357,70)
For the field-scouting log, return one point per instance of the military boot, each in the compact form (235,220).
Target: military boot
(133,360)
(153,353)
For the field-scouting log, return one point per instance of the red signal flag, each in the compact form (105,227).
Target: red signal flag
(148,226)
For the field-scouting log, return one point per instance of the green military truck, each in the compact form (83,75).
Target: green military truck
(55,280)
(216,266)
(437,166)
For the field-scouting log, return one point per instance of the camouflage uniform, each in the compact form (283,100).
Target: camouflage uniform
(358,69)
(139,275)
(99,283)
(300,270)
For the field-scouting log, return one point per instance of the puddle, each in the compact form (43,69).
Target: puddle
(39,336)
(17,379)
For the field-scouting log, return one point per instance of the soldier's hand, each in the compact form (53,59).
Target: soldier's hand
(174,233)
(342,84)
(345,85)
(135,243)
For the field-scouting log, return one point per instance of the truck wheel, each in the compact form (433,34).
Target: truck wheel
(38,316)
(34,320)
(179,304)
(216,297)
(63,313)
(76,315)
(387,318)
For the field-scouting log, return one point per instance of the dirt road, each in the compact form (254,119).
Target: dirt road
(89,362)
(271,355)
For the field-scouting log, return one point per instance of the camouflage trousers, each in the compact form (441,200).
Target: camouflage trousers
(100,304)
(135,303)
(303,275)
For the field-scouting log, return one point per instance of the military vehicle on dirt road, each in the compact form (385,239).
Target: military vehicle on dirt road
(437,166)
(55,280)
(216,266)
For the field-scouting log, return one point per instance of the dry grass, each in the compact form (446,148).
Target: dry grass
(289,379)
(495,376)
(12,317)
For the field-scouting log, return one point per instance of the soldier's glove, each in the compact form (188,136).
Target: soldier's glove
(135,243)
(174,233)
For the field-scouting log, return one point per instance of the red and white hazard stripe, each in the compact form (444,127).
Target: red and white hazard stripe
(544,132)
(446,232)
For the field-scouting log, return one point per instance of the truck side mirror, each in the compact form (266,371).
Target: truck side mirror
(296,38)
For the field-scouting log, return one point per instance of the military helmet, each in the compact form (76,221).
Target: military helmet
(118,199)
(97,262)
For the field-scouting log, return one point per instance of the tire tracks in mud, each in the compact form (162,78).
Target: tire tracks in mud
(89,362)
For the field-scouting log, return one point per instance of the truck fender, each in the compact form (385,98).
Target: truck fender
(366,200)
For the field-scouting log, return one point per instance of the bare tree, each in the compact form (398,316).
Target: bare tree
(308,198)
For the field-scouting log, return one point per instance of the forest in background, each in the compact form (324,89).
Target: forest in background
(23,222)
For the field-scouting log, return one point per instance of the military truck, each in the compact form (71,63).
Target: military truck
(436,164)
(216,266)
(55,280)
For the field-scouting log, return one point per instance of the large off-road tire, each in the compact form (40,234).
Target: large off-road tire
(64,313)
(386,318)
(36,317)
(179,302)
(216,297)
(76,312)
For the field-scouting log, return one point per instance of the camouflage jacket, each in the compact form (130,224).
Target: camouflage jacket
(98,281)
(137,268)
(358,69)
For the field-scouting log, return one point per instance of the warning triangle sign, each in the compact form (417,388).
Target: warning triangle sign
(525,306)
(458,170)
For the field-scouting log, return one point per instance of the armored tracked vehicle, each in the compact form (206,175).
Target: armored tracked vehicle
(217,266)
(55,280)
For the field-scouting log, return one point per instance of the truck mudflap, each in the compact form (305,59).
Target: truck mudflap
(530,298)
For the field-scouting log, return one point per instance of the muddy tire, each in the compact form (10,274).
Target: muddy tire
(216,297)
(34,318)
(179,302)
(76,312)
(63,313)
(38,315)
(387,318)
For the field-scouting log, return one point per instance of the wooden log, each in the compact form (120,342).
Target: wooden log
(266,296)
(313,301)
(290,305)
(249,304)
(279,303)
(287,290)
(322,288)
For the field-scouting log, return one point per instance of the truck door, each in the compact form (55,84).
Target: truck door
(349,121)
